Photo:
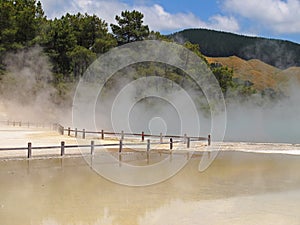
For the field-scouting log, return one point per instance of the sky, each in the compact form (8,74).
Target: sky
(279,19)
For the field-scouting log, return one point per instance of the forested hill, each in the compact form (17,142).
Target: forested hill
(279,53)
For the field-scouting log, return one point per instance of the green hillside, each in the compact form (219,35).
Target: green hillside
(278,53)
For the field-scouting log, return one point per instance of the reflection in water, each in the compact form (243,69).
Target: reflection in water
(138,168)
(238,188)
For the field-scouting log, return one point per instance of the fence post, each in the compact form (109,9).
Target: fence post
(29,150)
(148,145)
(14,123)
(62,129)
(143,136)
(28,124)
(92,147)
(161,138)
(209,140)
(76,132)
(171,143)
(120,146)
(83,134)
(122,135)
(69,131)
(102,134)
(7,122)
(20,123)
(184,138)
(62,148)
(188,142)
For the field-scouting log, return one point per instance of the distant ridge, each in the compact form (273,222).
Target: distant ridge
(279,53)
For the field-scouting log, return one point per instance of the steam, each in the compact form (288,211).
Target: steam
(256,119)
(152,104)
(27,93)
(26,89)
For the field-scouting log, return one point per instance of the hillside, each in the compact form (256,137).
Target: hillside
(259,73)
(278,53)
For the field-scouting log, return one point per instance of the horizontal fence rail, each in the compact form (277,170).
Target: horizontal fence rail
(120,145)
(61,130)
(122,135)
(27,124)
(163,139)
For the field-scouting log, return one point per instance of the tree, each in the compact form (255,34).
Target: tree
(130,27)
(155,35)
(60,39)
(81,58)
(103,44)
(92,33)
(20,23)
(7,28)
(196,49)
(25,20)
(224,75)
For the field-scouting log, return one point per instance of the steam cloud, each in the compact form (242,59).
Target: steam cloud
(274,122)
(26,90)
(255,120)
(27,94)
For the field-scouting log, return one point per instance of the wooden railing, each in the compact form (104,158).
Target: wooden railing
(120,146)
(172,139)
(122,135)
(27,124)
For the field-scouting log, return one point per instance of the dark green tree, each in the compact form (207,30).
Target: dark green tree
(59,40)
(196,49)
(92,33)
(7,28)
(130,27)
(74,41)
(155,35)
(224,75)
(25,21)
(81,58)
(20,23)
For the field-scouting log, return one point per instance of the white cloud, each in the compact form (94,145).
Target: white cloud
(105,9)
(155,15)
(220,22)
(159,19)
(57,8)
(276,15)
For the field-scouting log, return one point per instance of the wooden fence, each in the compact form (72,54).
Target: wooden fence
(75,132)
(28,124)
(122,135)
(120,145)
(171,139)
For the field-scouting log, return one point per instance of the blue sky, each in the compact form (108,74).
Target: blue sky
(268,18)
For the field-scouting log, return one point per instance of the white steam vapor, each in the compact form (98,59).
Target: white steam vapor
(26,89)
(257,119)
(26,94)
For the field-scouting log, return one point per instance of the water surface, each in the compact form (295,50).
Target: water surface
(238,188)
